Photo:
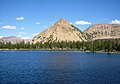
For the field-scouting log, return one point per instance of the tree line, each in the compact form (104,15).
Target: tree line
(106,45)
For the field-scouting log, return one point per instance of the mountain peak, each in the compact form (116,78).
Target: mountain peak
(62,30)
(62,21)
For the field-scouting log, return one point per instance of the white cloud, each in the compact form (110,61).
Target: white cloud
(22,28)
(1,36)
(25,37)
(9,27)
(51,22)
(22,33)
(115,22)
(71,23)
(37,22)
(35,34)
(105,19)
(82,22)
(20,18)
(45,27)
(19,35)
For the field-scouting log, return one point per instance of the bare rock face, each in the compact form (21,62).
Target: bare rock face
(60,31)
(103,31)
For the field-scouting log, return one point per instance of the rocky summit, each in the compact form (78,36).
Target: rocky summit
(60,31)
(103,31)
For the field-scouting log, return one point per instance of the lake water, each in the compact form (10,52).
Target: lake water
(59,67)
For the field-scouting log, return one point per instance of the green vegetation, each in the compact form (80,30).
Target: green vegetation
(108,45)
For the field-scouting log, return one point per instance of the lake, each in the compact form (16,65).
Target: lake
(58,67)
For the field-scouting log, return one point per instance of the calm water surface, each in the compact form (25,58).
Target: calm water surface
(59,67)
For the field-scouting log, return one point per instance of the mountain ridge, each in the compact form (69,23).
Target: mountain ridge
(13,40)
(63,30)
(103,31)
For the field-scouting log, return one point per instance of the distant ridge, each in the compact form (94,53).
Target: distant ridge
(103,31)
(13,40)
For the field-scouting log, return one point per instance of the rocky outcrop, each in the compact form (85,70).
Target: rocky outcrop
(103,31)
(60,31)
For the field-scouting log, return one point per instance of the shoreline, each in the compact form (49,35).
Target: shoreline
(57,50)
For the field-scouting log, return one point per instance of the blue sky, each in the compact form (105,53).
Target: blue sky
(25,18)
